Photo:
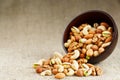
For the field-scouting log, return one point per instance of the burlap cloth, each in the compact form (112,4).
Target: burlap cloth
(33,29)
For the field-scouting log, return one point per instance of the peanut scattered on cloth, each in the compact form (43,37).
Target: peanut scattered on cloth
(84,42)
(67,65)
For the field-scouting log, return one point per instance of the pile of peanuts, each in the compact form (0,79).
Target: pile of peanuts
(67,65)
(84,42)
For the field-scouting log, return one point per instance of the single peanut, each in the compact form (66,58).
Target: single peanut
(101,49)
(82,55)
(100,43)
(94,39)
(70,50)
(104,24)
(83,50)
(95,47)
(60,75)
(39,69)
(91,31)
(95,53)
(80,72)
(99,31)
(55,71)
(89,41)
(88,36)
(77,38)
(89,52)
(108,39)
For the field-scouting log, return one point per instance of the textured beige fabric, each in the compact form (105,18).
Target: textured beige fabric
(33,29)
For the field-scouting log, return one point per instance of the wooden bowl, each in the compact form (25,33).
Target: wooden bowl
(91,17)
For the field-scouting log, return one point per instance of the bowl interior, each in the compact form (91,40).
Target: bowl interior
(91,17)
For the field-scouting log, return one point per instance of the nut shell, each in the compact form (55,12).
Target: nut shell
(80,72)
